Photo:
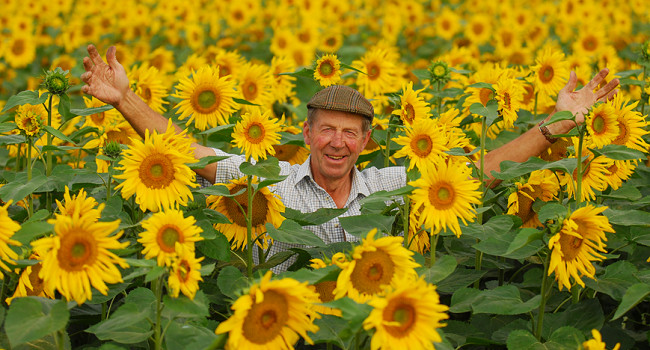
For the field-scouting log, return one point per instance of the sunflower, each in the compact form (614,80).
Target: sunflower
(20,50)
(121,133)
(594,177)
(509,93)
(29,284)
(163,230)
(478,28)
(550,71)
(631,124)
(30,119)
(102,119)
(185,272)
(602,125)
(292,153)
(327,70)
(542,185)
(147,83)
(272,315)
(597,342)
(375,263)
(284,84)
(379,72)
(79,203)
(162,59)
(590,41)
(418,238)
(256,86)
(577,244)
(8,228)
(620,171)
(424,144)
(412,106)
(156,173)
(229,62)
(266,208)
(78,256)
(256,134)
(325,289)
(446,194)
(447,23)
(407,316)
(207,99)
(331,40)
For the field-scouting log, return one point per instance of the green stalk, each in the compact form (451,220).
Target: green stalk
(434,242)
(481,177)
(30,200)
(578,191)
(108,183)
(59,339)
(156,285)
(48,170)
(405,220)
(535,108)
(249,227)
(546,286)
(18,163)
(204,139)
(438,90)
(642,91)
(387,150)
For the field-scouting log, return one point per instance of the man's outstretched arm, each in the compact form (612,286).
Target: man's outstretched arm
(108,82)
(532,143)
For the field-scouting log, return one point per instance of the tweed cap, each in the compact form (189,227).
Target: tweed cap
(342,98)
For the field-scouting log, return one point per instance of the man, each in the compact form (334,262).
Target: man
(337,129)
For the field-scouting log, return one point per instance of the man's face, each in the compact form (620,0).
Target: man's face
(336,139)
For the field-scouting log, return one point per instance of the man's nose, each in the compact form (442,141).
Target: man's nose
(337,139)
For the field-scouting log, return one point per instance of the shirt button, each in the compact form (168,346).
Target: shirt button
(336,225)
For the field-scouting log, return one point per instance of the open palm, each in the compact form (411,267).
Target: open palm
(106,81)
(579,102)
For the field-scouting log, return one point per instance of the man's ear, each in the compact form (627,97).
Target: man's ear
(367,138)
(306,133)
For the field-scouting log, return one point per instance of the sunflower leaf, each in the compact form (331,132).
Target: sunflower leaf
(504,300)
(618,152)
(64,107)
(32,318)
(184,307)
(305,72)
(24,98)
(20,188)
(562,115)
(244,102)
(266,169)
(360,225)
(204,161)
(216,129)
(57,134)
(7,127)
(230,281)
(291,232)
(347,66)
(84,112)
(633,295)
(12,139)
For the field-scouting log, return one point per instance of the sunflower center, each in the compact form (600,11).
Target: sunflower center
(184,270)
(98,118)
(331,42)
(590,43)
(205,100)
(485,95)
(403,313)
(224,70)
(598,124)
(260,207)
(325,290)
(621,139)
(507,103)
(409,113)
(525,211)
(118,136)
(546,74)
(146,93)
(506,38)
(441,195)
(250,91)
(477,28)
(373,71)
(37,282)
(570,246)
(372,271)
(255,133)
(265,320)
(326,69)
(439,71)
(77,250)
(421,145)
(168,235)
(18,47)
(156,171)
(446,25)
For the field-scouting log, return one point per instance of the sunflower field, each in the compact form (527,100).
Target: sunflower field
(114,239)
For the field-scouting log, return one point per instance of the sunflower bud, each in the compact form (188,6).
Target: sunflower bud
(439,72)
(56,81)
(113,149)
(645,51)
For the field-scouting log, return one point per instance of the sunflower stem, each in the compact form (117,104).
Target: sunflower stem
(642,90)
(204,139)
(545,294)
(30,200)
(405,222)
(249,226)
(48,169)
(535,108)
(59,339)
(438,89)
(481,177)
(156,285)
(578,194)
(575,294)
(434,243)
(387,149)
(18,162)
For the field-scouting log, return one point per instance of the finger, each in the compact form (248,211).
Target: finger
(88,64)
(571,84)
(94,55)
(85,77)
(86,89)
(591,85)
(111,58)
(609,96)
(607,88)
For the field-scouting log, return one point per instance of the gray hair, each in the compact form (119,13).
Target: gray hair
(312,113)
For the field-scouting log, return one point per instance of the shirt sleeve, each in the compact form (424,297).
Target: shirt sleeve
(228,169)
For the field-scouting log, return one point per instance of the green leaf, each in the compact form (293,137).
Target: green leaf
(265,169)
(305,72)
(460,278)
(244,102)
(23,98)
(496,226)
(217,248)
(347,66)
(291,232)
(20,188)
(332,330)
(32,318)
(12,139)
(231,281)
(360,225)
(444,266)
(422,74)
(556,117)
(84,112)
(184,307)
(317,217)
(490,111)
(523,340)
(127,325)
(462,299)
(481,86)
(585,316)
(512,170)
(217,129)
(219,190)
(181,336)
(618,277)
(203,162)
(32,230)
(387,196)
(457,151)
(7,127)
(551,211)
(352,312)
(504,300)
(64,107)
(568,165)
(57,133)
(618,152)
(328,273)
(626,192)
(633,295)
(154,273)
(628,217)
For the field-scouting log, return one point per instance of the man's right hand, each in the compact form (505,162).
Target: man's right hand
(107,82)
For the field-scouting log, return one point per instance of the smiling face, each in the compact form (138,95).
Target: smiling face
(336,139)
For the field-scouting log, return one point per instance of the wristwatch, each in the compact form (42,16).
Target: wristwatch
(547,134)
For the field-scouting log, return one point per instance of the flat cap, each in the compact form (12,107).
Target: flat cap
(342,98)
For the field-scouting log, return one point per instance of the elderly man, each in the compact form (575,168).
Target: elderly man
(337,129)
